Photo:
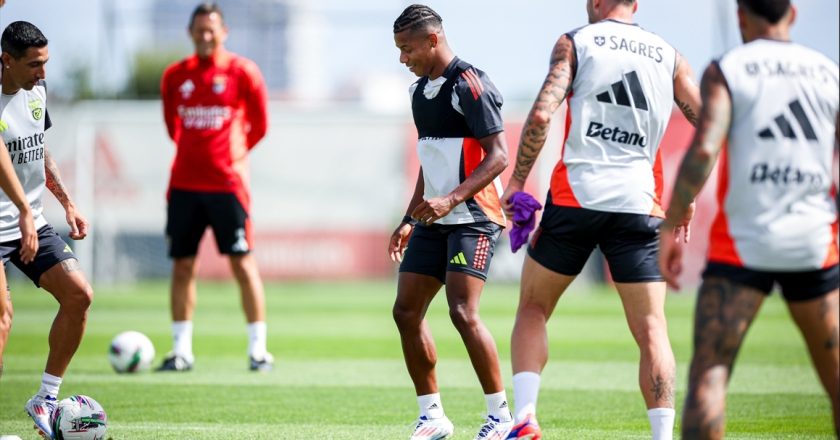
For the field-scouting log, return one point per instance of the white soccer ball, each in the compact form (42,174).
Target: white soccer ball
(131,352)
(79,418)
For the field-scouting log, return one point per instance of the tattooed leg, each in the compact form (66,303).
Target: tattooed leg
(723,315)
(644,308)
(818,321)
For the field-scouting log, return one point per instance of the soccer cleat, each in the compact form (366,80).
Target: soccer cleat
(528,429)
(175,362)
(494,429)
(432,429)
(263,365)
(41,410)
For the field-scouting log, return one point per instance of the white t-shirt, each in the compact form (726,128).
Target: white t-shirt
(23,122)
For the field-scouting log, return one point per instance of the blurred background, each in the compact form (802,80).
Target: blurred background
(332,178)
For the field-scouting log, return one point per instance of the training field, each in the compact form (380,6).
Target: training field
(340,373)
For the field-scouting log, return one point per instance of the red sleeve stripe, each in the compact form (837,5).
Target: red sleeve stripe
(475,84)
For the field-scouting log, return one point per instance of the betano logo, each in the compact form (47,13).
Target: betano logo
(786,129)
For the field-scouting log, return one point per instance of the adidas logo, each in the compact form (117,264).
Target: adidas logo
(619,90)
(433,406)
(459,259)
(503,405)
(786,128)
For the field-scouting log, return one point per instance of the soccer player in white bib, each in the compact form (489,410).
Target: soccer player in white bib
(620,83)
(770,111)
(24,117)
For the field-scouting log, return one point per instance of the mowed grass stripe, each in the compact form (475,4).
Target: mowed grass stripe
(340,371)
(559,375)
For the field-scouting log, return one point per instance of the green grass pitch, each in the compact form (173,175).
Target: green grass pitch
(340,373)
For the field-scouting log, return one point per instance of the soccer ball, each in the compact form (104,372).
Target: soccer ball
(131,352)
(79,418)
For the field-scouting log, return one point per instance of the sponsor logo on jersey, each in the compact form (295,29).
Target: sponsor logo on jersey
(37,108)
(615,134)
(600,40)
(219,84)
(202,117)
(635,47)
(785,175)
(785,126)
(3,126)
(771,68)
(619,94)
(186,89)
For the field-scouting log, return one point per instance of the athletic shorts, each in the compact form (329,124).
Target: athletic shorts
(189,213)
(436,249)
(51,251)
(795,286)
(567,236)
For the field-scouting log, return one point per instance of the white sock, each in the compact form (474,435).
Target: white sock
(256,339)
(430,406)
(49,385)
(182,332)
(497,406)
(662,423)
(526,388)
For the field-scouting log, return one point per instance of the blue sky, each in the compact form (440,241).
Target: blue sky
(511,40)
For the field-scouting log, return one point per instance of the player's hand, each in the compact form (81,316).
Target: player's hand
(514,186)
(434,209)
(28,237)
(399,241)
(78,224)
(684,228)
(670,257)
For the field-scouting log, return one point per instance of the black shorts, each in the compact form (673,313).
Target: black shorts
(190,212)
(51,251)
(567,236)
(795,286)
(436,249)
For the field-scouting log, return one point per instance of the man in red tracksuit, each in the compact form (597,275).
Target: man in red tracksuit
(214,104)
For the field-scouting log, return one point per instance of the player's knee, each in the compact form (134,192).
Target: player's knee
(6,320)
(650,332)
(463,317)
(78,298)
(406,317)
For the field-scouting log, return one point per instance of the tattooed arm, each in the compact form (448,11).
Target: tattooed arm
(712,128)
(555,89)
(686,92)
(78,224)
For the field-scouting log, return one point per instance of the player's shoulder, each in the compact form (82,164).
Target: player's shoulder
(467,75)
(179,66)
(40,89)
(243,64)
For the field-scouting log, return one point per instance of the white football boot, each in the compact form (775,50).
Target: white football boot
(41,409)
(494,429)
(432,429)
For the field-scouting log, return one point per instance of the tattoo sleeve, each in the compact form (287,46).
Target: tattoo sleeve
(686,93)
(54,183)
(712,129)
(554,90)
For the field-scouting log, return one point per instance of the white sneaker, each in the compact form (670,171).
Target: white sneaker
(494,429)
(432,429)
(41,410)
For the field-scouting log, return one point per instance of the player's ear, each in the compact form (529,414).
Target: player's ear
(635,6)
(433,40)
(791,15)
